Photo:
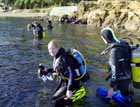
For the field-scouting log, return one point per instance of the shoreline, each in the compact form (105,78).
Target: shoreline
(22,14)
(26,13)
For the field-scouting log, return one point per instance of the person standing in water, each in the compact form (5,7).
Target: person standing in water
(37,29)
(119,62)
(49,26)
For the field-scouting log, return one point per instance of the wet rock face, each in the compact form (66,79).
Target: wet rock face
(123,14)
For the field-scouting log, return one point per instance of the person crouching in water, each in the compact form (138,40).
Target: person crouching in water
(64,65)
(119,62)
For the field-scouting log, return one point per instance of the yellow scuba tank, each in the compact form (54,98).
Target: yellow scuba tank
(136,68)
(44,34)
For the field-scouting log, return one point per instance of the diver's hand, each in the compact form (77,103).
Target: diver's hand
(103,53)
(69,94)
(110,93)
(42,70)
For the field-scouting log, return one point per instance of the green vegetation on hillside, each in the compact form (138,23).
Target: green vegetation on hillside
(29,4)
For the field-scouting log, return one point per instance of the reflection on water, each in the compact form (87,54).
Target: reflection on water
(20,55)
(37,43)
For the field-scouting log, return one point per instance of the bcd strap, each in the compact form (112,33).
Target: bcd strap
(135,64)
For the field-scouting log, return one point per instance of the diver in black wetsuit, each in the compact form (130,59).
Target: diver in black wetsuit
(37,29)
(119,62)
(65,65)
(49,26)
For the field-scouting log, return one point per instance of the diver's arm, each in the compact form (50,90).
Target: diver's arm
(70,81)
(113,69)
(113,62)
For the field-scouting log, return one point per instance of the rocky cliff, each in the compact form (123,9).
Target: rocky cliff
(120,14)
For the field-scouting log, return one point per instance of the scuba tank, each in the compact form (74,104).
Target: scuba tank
(136,67)
(82,70)
(44,34)
(80,58)
(117,97)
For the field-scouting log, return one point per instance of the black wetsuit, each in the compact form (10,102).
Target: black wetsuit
(39,31)
(65,65)
(119,61)
(49,26)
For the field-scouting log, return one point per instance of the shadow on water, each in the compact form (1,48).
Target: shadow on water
(20,55)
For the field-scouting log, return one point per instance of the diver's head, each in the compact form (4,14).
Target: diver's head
(108,36)
(49,21)
(53,47)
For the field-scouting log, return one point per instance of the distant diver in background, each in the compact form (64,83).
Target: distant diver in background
(49,26)
(37,29)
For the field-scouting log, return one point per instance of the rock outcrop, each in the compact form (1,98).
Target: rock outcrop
(120,14)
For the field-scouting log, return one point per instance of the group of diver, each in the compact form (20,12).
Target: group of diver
(38,30)
(72,73)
